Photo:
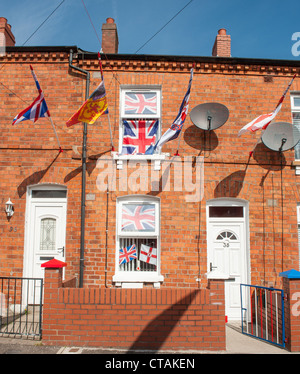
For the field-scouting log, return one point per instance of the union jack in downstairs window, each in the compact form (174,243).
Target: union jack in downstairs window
(127,254)
(138,224)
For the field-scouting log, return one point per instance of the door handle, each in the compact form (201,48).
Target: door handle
(62,250)
(211,267)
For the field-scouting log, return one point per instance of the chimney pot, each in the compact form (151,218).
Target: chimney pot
(222,32)
(110,20)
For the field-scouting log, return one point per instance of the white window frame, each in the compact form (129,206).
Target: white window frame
(295,109)
(136,279)
(157,158)
(141,89)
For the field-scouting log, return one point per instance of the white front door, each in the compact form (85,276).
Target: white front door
(226,240)
(46,234)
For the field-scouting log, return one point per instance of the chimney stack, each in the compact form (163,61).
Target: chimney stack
(222,46)
(7,38)
(110,41)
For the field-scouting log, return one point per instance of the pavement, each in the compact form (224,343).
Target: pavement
(236,343)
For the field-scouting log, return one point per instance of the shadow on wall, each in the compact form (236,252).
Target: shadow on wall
(158,327)
(265,158)
(268,159)
(200,139)
(231,185)
(90,166)
(34,178)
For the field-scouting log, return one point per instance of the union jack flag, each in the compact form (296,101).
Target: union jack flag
(140,103)
(138,217)
(37,109)
(139,135)
(127,254)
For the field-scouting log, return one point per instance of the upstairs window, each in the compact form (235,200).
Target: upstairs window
(140,108)
(295,106)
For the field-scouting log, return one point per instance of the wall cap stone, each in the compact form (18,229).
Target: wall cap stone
(290,274)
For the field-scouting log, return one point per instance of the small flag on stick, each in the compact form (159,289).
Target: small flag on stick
(148,254)
(127,254)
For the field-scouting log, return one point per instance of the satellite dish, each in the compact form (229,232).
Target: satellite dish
(281,136)
(209,116)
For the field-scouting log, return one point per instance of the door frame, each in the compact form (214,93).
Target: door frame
(233,202)
(27,265)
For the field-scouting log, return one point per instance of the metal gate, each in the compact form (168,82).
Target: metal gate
(21,307)
(262,313)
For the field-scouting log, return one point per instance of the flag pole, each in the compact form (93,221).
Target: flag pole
(278,104)
(60,149)
(179,139)
(177,154)
(48,112)
(110,132)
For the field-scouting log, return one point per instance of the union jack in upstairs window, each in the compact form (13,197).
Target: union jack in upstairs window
(140,103)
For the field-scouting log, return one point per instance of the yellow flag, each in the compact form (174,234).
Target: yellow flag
(93,108)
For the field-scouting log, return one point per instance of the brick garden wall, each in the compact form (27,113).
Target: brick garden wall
(190,319)
(291,288)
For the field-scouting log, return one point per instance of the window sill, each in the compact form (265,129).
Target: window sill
(296,165)
(137,277)
(156,158)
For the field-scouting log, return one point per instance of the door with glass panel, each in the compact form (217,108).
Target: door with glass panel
(46,231)
(227,250)
(49,234)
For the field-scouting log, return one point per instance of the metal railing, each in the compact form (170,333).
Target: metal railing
(262,313)
(21,307)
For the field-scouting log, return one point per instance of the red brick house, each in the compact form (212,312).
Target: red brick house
(213,206)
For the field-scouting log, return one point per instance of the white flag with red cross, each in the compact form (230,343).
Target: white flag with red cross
(148,254)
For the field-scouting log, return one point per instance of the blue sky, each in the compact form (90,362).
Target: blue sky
(258,29)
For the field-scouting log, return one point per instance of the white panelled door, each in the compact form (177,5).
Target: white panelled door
(227,256)
(227,252)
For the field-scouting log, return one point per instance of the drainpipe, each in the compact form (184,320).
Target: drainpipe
(83,176)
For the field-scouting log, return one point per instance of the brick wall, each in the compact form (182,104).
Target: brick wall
(133,318)
(29,155)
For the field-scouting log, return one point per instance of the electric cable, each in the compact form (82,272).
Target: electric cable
(163,26)
(43,22)
(46,19)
